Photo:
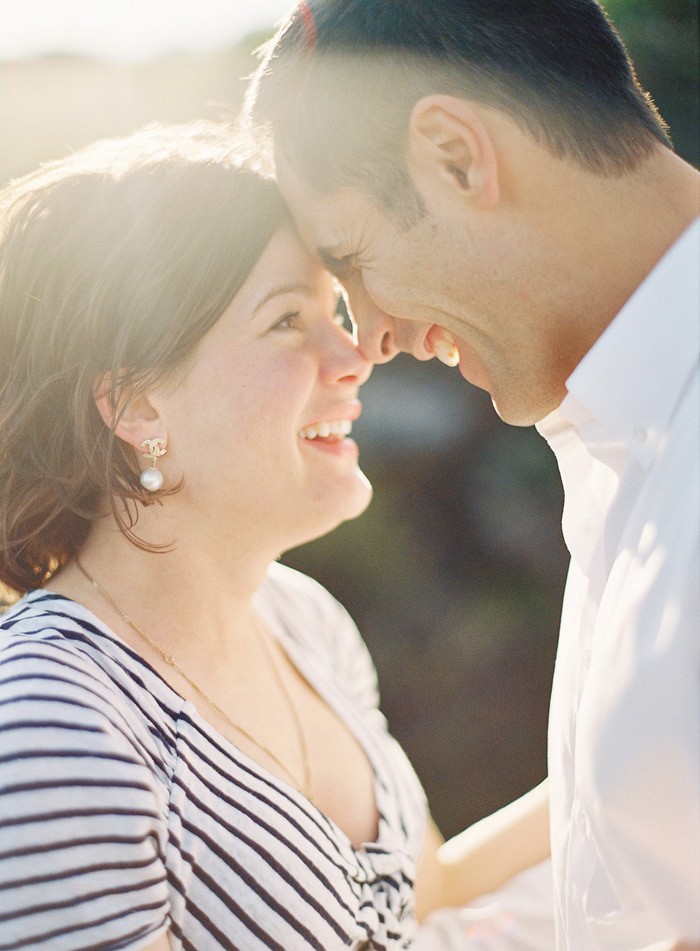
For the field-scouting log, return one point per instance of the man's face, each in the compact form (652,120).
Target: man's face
(448,272)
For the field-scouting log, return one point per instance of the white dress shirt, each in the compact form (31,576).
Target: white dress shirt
(624,737)
(624,734)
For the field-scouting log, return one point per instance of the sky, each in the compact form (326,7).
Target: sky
(129,30)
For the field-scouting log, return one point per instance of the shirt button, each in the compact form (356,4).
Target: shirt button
(586,657)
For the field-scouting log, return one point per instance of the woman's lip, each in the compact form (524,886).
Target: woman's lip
(344,447)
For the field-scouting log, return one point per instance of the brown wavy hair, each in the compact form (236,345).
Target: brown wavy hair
(115,260)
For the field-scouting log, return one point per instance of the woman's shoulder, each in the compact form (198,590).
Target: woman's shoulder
(47,629)
(301,601)
(53,649)
(321,625)
(289,579)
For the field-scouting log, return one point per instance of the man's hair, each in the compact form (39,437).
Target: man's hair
(337,84)
(114,262)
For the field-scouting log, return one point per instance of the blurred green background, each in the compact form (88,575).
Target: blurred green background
(455,573)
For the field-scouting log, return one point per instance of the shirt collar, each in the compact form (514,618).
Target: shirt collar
(631,380)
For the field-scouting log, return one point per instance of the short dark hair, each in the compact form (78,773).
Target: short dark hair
(337,84)
(116,260)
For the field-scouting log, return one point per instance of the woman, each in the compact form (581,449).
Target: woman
(191,753)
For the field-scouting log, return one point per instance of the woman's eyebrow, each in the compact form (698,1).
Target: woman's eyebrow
(279,290)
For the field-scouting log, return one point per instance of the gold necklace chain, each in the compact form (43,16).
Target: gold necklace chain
(305,786)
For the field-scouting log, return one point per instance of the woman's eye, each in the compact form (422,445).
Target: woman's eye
(288,322)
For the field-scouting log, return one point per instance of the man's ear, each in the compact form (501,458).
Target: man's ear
(450,144)
(139,419)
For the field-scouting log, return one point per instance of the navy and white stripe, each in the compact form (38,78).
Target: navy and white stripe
(123,814)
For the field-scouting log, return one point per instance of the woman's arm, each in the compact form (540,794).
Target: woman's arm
(484,856)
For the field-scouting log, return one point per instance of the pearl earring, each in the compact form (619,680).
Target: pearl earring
(152,479)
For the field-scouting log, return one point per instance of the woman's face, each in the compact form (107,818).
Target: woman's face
(258,427)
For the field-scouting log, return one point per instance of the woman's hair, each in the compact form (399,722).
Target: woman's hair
(337,84)
(114,263)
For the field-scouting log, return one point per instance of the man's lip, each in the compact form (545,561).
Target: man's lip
(422,345)
(418,345)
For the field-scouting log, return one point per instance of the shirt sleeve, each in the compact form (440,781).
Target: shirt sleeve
(82,831)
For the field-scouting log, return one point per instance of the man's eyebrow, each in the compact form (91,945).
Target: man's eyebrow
(282,289)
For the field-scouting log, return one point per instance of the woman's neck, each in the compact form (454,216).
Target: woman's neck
(170,594)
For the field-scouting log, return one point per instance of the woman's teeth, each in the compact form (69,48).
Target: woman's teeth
(340,428)
(445,349)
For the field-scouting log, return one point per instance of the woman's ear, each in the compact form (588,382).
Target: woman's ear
(137,422)
(450,146)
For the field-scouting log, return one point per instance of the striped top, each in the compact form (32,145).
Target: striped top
(124,814)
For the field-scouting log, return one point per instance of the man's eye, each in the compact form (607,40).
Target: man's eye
(346,265)
(342,267)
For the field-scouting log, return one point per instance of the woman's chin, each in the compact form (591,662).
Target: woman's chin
(351,505)
(355,501)
(363,495)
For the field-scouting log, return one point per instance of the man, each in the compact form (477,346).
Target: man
(492,185)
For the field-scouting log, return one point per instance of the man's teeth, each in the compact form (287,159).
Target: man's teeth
(445,349)
(340,427)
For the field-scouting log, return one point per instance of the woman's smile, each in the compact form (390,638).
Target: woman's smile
(330,432)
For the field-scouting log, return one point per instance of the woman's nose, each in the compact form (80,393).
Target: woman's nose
(344,360)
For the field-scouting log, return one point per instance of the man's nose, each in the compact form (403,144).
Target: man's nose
(376,331)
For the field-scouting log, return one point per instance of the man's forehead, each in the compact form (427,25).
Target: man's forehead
(324,221)
(301,200)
